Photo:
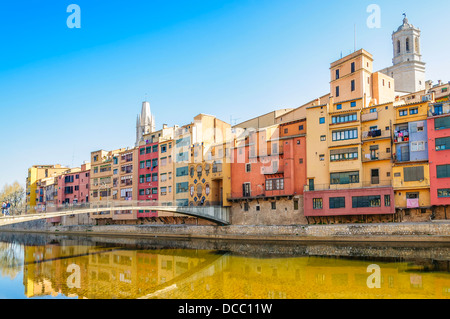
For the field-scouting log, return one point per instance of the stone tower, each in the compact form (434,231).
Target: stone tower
(408,70)
(145,122)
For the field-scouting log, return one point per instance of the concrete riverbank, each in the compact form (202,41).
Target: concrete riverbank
(384,232)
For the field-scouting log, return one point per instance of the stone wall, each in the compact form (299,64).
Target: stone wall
(261,212)
(395,232)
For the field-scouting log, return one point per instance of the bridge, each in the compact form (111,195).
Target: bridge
(217,214)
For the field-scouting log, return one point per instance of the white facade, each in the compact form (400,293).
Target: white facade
(408,70)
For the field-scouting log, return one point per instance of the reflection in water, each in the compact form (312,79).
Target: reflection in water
(120,269)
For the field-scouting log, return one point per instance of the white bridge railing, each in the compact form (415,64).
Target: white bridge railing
(218,214)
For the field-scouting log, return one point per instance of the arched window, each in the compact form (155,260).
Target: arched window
(417,49)
(199,190)
(398,47)
(407,44)
(199,171)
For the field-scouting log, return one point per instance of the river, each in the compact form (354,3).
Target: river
(89,267)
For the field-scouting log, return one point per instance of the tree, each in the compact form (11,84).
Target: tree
(15,194)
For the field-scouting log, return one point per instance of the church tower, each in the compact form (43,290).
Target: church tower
(408,70)
(145,123)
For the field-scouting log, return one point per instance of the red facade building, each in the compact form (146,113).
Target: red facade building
(148,176)
(439,153)
(73,188)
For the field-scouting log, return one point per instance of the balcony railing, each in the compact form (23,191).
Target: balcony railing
(375,182)
(377,156)
(374,134)
(270,170)
(369,117)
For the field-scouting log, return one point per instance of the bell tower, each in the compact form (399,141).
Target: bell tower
(408,69)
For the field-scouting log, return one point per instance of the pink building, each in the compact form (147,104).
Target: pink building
(439,153)
(148,175)
(73,187)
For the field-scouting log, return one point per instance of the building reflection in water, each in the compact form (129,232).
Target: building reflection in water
(96,272)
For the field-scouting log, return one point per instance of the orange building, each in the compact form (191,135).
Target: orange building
(268,174)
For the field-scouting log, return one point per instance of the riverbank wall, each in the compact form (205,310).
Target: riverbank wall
(383,232)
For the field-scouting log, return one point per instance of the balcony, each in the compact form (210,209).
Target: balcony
(374,183)
(270,170)
(376,156)
(369,117)
(375,134)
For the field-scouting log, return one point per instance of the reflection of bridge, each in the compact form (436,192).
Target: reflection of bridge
(204,270)
(217,214)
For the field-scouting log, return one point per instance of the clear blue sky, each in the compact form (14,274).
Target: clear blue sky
(66,92)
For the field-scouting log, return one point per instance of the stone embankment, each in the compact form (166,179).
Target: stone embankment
(384,232)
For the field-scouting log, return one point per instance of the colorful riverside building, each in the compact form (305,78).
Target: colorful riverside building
(101,181)
(36,173)
(208,170)
(438,124)
(342,183)
(411,167)
(73,186)
(268,174)
(154,169)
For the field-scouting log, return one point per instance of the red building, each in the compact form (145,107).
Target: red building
(439,153)
(73,187)
(148,176)
(268,174)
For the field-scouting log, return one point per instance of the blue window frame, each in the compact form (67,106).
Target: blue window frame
(322,120)
(353,104)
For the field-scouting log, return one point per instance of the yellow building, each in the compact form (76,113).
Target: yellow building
(349,144)
(376,149)
(411,167)
(36,173)
(101,180)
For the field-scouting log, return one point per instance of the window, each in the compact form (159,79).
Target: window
(317,203)
(163,190)
(442,123)
(274,184)
(295,204)
(353,85)
(142,151)
(443,144)
(273,205)
(353,67)
(413,111)
(142,192)
(300,128)
(412,174)
(337,91)
(444,192)
(339,107)
(337,202)
(387,200)
(366,201)
(323,138)
(142,179)
(344,178)
(373,110)
(182,187)
(164,148)
(337,74)
(345,135)
(148,150)
(353,104)
(344,118)
(248,168)
(142,164)
(403,112)
(182,171)
(443,171)
(322,120)
(417,146)
(155,177)
(407,44)
(246,207)
(346,154)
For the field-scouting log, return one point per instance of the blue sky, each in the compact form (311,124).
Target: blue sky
(66,92)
